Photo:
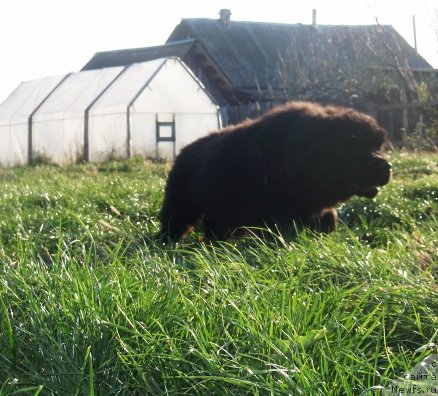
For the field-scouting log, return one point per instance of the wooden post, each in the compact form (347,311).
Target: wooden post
(420,132)
(405,112)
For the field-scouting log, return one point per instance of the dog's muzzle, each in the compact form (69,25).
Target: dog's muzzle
(379,173)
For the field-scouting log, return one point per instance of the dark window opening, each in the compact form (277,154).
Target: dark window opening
(165,131)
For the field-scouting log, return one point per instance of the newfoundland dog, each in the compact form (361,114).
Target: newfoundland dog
(292,165)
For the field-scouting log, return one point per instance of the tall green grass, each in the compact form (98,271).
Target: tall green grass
(91,304)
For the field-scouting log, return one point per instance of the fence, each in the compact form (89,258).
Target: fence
(405,122)
(409,123)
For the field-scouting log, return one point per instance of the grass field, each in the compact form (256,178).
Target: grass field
(90,304)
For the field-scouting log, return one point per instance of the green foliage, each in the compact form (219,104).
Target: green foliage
(90,303)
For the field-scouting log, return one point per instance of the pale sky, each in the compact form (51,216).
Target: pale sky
(40,38)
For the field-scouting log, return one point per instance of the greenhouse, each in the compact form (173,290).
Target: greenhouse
(152,109)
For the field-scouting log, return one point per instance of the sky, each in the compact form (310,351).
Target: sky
(40,38)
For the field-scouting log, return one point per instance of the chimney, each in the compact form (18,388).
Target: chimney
(314,17)
(225,17)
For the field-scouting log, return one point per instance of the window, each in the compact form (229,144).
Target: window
(165,131)
(165,135)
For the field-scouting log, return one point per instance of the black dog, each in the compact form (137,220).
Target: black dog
(293,164)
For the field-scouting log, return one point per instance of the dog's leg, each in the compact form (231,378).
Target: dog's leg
(327,221)
(176,218)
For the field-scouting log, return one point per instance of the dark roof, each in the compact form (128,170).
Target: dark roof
(136,55)
(261,56)
(255,60)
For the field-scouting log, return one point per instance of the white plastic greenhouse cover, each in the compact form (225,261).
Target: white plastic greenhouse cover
(152,108)
(58,129)
(14,115)
(153,92)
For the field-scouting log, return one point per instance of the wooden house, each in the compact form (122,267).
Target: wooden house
(250,66)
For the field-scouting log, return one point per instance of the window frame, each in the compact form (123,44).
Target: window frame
(160,138)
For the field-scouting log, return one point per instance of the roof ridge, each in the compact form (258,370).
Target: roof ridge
(288,24)
(169,44)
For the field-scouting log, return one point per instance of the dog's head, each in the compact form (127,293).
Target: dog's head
(339,154)
(360,166)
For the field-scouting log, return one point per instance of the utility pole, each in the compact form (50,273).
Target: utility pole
(415,32)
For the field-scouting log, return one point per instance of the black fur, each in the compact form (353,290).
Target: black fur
(293,164)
